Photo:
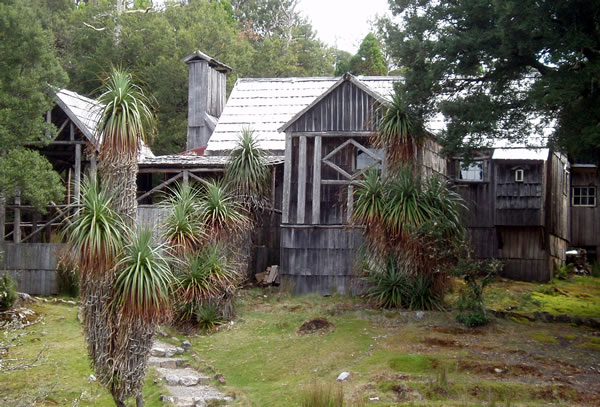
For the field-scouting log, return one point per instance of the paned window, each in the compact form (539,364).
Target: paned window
(471,172)
(584,196)
(519,175)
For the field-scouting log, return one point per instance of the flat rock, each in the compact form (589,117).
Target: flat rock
(343,376)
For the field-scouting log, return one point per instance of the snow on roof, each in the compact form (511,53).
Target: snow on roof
(538,154)
(85,114)
(266,104)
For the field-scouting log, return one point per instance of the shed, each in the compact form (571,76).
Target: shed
(327,148)
(517,202)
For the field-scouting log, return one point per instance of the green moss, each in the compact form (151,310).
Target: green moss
(543,337)
(410,363)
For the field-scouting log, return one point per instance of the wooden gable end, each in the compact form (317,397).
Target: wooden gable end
(347,108)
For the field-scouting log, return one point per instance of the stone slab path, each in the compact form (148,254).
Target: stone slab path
(186,387)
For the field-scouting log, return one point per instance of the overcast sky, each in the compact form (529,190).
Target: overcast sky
(342,23)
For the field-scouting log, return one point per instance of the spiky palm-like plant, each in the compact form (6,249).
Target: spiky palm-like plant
(183,228)
(222,216)
(207,277)
(247,173)
(124,123)
(140,299)
(95,236)
(398,132)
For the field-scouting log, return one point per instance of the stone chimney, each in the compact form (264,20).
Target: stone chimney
(206,97)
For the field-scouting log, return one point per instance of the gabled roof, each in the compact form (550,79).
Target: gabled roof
(528,154)
(85,114)
(266,104)
(348,77)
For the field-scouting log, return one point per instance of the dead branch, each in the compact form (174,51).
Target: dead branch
(94,28)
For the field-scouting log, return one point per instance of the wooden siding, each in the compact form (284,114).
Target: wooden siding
(430,160)
(523,251)
(32,266)
(585,221)
(558,197)
(346,108)
(319,259)
(152,217)
(519,203)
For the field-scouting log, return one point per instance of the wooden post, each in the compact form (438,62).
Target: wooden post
(186,178)
(350,202)
(316,191)
(301,181)
(93,164)
(17,220)
(287,179)
(71,131)
(77,175)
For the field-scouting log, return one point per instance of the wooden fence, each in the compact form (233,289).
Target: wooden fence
(32,266)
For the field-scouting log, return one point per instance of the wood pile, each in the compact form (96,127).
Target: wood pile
(268,277)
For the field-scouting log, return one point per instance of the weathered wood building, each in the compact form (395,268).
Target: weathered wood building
(518,208)
(584,210)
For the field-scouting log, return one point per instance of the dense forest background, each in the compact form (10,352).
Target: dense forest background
(258,38)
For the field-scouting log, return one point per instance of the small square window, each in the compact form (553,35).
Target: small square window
(584,196)
(519,175)
(471,172)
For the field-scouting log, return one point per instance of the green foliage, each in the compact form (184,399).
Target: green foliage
(247,173)
(30,173)
(394,286)
(565,271)
(368,60)
(8,292)
(183,228)
(96,231)
(142,288)
(502,62)
(219,212)
(205,278)
(319,395)
(27,65)
(388,286)
(477,275)
(208,317)
(126,119)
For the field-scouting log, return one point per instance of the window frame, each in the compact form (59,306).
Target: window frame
(520,171)
(482,165)
(587,196)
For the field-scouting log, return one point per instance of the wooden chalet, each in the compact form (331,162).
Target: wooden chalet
(518,204)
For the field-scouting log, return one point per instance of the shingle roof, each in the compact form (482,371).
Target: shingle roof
(85,114)
(266,104)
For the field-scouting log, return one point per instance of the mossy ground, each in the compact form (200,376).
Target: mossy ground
(576,296)
(392,355)
(63,377)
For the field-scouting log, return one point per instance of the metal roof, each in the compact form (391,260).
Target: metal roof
(266,104)
(85,113)
(533,154)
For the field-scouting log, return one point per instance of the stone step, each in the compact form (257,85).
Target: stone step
(161,350)
(183,376)
(198,396)
(167,363)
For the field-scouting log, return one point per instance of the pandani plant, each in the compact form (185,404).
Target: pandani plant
(183,228)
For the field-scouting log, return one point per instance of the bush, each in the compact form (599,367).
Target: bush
(208,317)
(477,275)
(596,269)
(8,292)
(393,286)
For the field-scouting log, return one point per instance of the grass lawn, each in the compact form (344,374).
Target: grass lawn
(63,377)
(392,355)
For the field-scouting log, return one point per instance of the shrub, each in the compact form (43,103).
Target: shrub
(320,396)
(422,295)
(477,275)
(206,277)
(208,317)
(388,286)
(596,269)
(8,292)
